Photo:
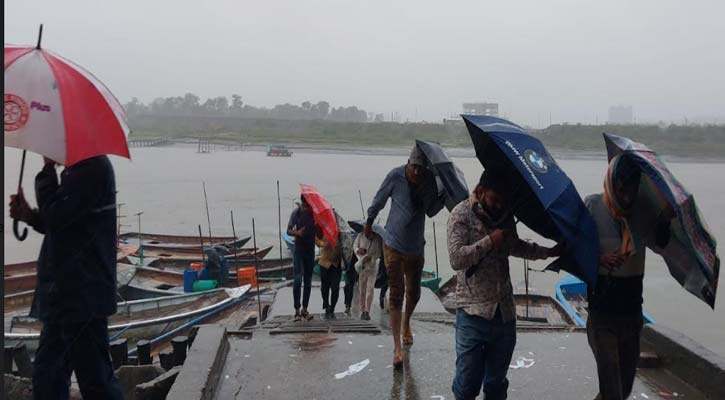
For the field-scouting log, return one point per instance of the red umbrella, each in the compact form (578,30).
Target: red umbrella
(322,212)
(58,109)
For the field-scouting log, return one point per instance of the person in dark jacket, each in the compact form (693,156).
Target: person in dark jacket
(76,287)
(302,227)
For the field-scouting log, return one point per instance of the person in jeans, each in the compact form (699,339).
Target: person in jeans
(76,288)
(414,194)
(330,273)
(368,252)
(614,323)
(481,237)
(302,227)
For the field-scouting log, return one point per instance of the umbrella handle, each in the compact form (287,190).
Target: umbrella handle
(16,230)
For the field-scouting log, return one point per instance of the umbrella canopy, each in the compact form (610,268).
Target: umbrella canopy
(58,109)
(322,212)
(447,173)
(691,254)
(544,198)
(359,225)
(346,237)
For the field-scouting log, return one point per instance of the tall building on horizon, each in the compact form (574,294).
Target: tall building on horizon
(489,109)
(621,115)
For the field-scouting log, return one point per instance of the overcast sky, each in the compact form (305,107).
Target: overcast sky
(568,59)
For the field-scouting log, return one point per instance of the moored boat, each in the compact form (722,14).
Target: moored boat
(268,268)
(136,319)
(156,238)
(571,292)
(533,311)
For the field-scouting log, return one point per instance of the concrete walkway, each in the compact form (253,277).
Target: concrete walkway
(545,365)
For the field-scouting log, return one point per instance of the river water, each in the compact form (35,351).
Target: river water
(166,185)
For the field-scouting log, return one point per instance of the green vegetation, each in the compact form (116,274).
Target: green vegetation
(677,140)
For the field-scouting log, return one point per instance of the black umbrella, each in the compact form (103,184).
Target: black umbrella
(447,173)
(359,225)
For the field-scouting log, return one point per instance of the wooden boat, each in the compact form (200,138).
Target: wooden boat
(20,277)
(289,241)
(190,248)
(268,268)
(167,254)
(533,311)
(278,151)
(571,292)
(136,320)
(431,280)
(20,281)
(154,238)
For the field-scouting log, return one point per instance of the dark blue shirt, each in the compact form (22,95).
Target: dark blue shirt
(303,219)
(77,262)
(409,205)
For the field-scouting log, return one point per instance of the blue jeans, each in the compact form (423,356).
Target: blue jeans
(303,266)
(483,354)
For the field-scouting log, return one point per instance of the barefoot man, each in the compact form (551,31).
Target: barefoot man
(414,194)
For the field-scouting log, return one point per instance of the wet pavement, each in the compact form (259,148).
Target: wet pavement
(545,365)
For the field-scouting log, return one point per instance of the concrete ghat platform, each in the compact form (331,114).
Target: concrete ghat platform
(271,361)
(313,366)
(322,365)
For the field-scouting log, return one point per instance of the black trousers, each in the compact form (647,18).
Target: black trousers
(615,343)
(350,280)
(330,278)
(82,347)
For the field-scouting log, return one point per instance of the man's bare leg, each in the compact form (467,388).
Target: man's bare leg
(412,296)
(395,326)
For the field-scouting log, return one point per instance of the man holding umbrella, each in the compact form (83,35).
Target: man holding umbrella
(76,289)
(414,195)
(58,109)
(523,182)
(481,237)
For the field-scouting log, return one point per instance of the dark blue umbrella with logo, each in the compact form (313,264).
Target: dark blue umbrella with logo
(545,199)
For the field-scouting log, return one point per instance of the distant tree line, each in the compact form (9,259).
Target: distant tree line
(191,105)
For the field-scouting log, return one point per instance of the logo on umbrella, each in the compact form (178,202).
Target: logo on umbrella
(16,112)
(536,161)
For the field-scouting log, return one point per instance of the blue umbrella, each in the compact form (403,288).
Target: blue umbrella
(545,199)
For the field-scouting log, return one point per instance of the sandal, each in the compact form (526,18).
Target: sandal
(306,315)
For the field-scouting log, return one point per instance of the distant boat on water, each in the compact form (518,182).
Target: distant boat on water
(278,151)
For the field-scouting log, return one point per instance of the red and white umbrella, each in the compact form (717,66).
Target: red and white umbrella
(56,108)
